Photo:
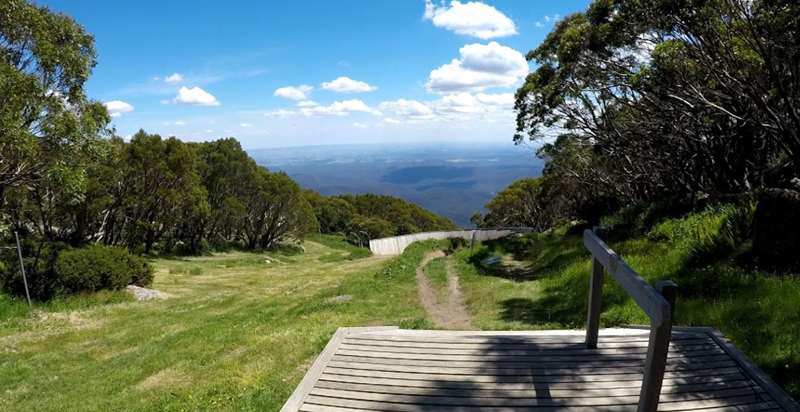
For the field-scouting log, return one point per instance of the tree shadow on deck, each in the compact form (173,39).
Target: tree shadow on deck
(520,372)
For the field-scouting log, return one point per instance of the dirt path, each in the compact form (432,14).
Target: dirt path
(451,314)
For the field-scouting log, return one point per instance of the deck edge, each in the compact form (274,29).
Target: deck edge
(778,394)
(311,376)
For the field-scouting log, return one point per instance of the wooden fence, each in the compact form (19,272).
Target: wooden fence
(657,304)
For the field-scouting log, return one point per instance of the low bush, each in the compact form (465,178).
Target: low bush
(100,267)
(455,243)
(53,269)
(39,260)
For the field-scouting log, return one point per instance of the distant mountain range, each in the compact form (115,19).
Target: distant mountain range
(454,180)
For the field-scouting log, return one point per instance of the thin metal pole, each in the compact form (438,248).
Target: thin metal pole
(22,269)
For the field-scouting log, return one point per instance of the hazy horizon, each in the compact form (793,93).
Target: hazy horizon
(453,179)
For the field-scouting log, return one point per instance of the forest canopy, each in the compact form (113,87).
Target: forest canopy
(369,216)
(671,102)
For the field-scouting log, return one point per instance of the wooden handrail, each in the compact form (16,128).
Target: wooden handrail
(657,304)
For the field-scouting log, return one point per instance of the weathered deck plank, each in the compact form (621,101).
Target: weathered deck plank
(365,369)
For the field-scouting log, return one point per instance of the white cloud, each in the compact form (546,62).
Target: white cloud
(408,109)
(480,66)
(245,125)
(457,106)
(472,19)
(196,96)
(175,123)
(360,125)
(294,92)
(345,84)
(307,103)
(340,108)
(173,78)
(118,107)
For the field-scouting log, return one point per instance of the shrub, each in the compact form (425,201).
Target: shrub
(99,267)
(710,234)
(455,243)
(39,259)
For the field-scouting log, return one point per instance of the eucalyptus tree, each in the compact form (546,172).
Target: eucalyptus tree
(684,99)
(47,122)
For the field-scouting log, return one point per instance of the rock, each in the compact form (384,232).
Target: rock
(776,238)
(340,299)
(141,293)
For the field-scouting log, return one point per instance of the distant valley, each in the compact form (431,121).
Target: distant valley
(454,180)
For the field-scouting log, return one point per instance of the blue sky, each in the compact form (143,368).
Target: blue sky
(291,73)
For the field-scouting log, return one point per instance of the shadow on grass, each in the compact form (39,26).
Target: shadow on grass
(534,256)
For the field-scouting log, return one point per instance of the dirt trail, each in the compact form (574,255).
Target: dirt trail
(451,314)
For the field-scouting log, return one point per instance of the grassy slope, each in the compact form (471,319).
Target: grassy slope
(238,333)
(757,311)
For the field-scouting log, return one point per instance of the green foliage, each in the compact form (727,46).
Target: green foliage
(47,125)
(710,234)
(455,243)
(100,267)
(542,283)
(522,204)
(39,259)
(645,116)
(368,216)
(54,269)
(344,250)
(404,266)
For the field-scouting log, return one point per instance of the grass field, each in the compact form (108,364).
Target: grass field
(240,329)
(237,334)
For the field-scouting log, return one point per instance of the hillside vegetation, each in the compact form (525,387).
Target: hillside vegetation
(370,216)
(542,282)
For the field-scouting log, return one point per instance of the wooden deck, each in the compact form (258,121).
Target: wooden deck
(390,369)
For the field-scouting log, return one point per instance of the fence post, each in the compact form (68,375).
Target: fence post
(595,304)
(22,269)
(657,351)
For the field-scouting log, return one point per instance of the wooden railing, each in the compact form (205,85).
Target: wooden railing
(657,304)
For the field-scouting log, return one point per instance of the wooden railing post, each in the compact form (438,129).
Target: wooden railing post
(657,351)
(669,290)
(595,304)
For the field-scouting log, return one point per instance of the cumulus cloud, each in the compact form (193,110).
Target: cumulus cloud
(471,19)
(480,66)
(345,84)
(340,108)
(245,125)
(407,109)
(457,106)
(307,103)
(118,107)
(300,92)
(195,96)
(174,78)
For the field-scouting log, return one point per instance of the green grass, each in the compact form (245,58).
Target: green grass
(241,329)
(703,253)
(238,333)
(342,250)
(437,276)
